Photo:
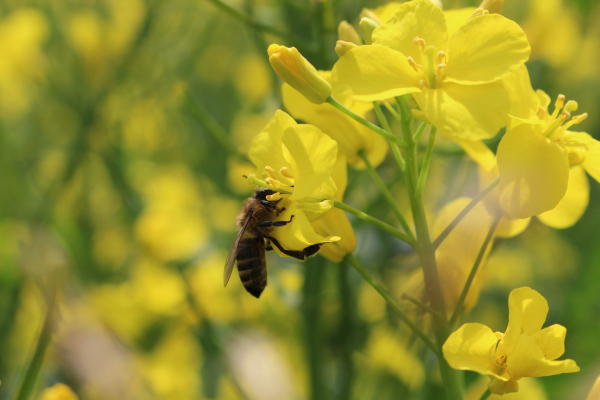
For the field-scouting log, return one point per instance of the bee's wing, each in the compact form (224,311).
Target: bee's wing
(233,251)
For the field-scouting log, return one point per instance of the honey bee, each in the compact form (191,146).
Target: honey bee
(255,221)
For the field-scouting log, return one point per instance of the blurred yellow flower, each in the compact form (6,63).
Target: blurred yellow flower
(298,73)
(595,392)
(350,135)
(524,350)
(455,80)
(252,79)
(529,389)
(58,391)
(298,159)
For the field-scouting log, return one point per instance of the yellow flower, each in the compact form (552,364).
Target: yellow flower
(350,135)
(524,350)
(298,159)
(59,391)
(453,76)
(298,73)
(595,392)
(538,157)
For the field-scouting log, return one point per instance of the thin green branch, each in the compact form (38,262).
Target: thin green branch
(351,259)
(386,126)
(387,194)
(474,269)
(391,110)
(252,23)
(374,221)
(35,365)
(420,131)
(464,212)
(485,395)
(426,163)
(424,307)
(366,123)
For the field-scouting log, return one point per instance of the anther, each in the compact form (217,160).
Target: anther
(423,83)
(479,11)
(271,172)
(560,101)
(272,182)
(439,70)
(542,113)
(274,197)
(564,115)
(413,64)
(284,171)
(575,120)
(441,56)
(420,42)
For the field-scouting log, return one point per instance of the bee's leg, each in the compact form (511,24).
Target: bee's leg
(312,250)
(273,204)
(268,246)
(292,253)
(267,224)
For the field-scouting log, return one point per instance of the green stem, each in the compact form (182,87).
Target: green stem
(464,212)
(471,277)
(378,223)
(419,131)
(450,377)
(251,22)
(387,194)
(351,259)
(426,162)
(37,360)
(391,110)
(485,395)
(395,150)
(366,123)
(424,307)
(345,337)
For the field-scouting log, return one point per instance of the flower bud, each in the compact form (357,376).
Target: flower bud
(296,71)
(367,26)
(347,33)
(366,13)
(493,6)
(342,47)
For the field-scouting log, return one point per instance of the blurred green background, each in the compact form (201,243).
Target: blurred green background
(124,126)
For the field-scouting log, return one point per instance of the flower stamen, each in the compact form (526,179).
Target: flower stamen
(420,42)
(413,64)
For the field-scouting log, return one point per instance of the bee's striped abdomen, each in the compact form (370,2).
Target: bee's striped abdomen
(251,265)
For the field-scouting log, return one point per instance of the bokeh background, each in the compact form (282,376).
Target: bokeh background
(124,128)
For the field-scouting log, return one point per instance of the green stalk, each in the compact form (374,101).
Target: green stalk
(366,123)
(464,212)
(351,259)
(419,131)
(378,223)
(426,163)
(35,365)
(471,277)
(388,195)
(450,377)
(391,110)
(386,126)
(485,395)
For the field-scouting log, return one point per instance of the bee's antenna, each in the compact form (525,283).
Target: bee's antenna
(245,176)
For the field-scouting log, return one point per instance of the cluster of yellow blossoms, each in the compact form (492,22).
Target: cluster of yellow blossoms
(463,72)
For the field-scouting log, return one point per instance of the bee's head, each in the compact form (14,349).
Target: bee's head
(261,193)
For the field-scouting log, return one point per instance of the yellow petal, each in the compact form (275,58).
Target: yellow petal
(471,112)
(572,206)
(533,172)
(266,148)
(350,135)
(457,18)
(413,19)
(478,152)
(469,349)
(592,160)
(457,253)
(527,310)
(312,155)
(486,49)
(527,359)
(508,227)
(299,234)
(551,341)
(336,223)
(374,72)
(524,102)
(529,389)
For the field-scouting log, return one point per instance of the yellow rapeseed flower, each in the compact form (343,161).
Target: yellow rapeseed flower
(524,350)
(538,156)
(59,391)
(299,160)
(453,76)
